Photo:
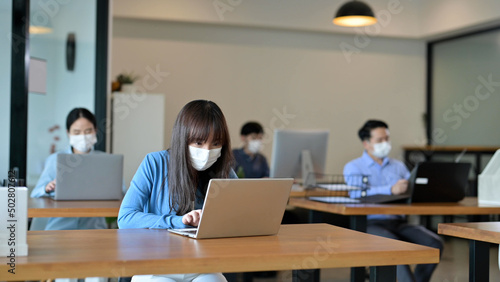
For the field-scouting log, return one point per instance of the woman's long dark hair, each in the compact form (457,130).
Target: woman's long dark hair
(195,122)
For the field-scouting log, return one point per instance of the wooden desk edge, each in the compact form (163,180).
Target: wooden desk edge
(468,206)
(451,148)
(47,207)
(72,212)
(468,232)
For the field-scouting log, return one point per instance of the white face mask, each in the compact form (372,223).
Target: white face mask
(203,158)
(381,150)
(254,146)
(81,142)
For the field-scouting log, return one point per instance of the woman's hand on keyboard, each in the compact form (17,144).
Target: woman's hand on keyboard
(192,218)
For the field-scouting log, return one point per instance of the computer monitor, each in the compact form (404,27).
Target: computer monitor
(299,154)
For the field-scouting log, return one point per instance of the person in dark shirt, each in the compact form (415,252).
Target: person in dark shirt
(249,163)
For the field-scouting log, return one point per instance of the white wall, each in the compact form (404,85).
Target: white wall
(447,17)
(257,74)
(5,60)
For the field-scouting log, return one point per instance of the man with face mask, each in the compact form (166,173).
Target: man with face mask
(249,163)
(390,176)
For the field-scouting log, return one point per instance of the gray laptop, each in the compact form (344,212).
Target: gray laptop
(241,207)
(89,177)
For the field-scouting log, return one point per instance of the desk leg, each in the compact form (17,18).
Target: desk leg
(479,261)
(383,273)
(358,223)
(305,275)
(358,274)
(315,216)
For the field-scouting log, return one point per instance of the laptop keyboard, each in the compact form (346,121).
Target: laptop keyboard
(187,230)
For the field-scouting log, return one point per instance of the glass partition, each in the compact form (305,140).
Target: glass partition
(465,90)
(5,65)
(63,66)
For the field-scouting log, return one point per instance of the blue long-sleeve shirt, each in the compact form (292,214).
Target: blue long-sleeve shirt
(146,204)
(63,223)
(381,178)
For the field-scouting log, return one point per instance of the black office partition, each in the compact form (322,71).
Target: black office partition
(101,72)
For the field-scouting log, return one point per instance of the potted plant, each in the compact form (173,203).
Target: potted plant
(126,81)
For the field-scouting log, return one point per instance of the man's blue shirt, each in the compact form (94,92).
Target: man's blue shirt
(381,177)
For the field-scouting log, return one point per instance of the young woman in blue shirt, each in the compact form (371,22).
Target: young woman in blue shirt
(81,128)
(169,186)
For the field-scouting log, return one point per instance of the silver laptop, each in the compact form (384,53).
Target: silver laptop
(241,207)
(89,177)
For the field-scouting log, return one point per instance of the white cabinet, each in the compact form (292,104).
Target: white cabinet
(138,128)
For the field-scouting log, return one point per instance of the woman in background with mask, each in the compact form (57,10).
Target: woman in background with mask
(169,187)
(81,129)
(249,162)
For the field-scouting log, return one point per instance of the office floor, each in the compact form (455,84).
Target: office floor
(454,266)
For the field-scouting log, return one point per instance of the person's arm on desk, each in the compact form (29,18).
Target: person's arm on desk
(143,194)
(399,187)
(46,183)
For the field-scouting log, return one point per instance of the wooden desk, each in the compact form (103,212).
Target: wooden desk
(480,236)
(357,213)
(128,252)
(46,207)
(316,192)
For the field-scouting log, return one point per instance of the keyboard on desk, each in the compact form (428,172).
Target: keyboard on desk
(383,198)
(335,200)
(190,232)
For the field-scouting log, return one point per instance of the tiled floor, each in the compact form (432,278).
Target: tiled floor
(454,266)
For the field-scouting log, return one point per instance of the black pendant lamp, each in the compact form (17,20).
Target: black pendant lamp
(354,13)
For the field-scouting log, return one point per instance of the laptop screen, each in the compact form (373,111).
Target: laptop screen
(439,182)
